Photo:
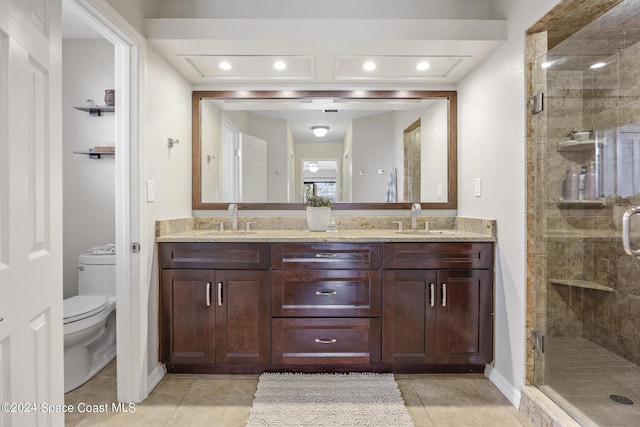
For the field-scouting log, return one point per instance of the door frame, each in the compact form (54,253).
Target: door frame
(131,270)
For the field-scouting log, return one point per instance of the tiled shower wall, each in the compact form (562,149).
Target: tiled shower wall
(579,243)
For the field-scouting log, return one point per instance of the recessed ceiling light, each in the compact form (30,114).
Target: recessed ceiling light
(369,66)
(422,66)
(598,65)
(279,65)
(225,66)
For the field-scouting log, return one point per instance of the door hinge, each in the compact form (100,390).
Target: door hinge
(135,247)
(537,340)
(537,103)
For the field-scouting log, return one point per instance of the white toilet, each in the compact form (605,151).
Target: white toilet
(90,320)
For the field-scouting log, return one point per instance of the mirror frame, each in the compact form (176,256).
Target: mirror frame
(452,163)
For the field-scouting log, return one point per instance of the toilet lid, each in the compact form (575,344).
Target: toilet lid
(83,306)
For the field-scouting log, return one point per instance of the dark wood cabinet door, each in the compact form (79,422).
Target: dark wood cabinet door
(242,316)
(409,334)
(187,317)
(465,320)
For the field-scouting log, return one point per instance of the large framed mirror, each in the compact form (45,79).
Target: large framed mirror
(380,149)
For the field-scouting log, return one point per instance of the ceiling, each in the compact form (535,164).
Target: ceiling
(318,53)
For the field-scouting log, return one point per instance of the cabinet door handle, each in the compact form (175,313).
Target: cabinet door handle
(325,340)
(219,293)
(432,294)
(326,255)
(444,294)
(328,292)
(208,294)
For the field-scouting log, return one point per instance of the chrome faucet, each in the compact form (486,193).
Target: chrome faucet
(233,210)
(416,211)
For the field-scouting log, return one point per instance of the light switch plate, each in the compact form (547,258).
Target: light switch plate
(151,191)
(477,187)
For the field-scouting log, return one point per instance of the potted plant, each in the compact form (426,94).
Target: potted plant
(318,213)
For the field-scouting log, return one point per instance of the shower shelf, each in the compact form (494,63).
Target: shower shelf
(573,145)
(585,284)
(597,203)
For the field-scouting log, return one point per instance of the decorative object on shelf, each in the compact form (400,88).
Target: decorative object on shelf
(582,135)
(318,213)
(110,97)
(89,103)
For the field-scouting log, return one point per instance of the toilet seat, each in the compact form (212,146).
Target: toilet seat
(82,306)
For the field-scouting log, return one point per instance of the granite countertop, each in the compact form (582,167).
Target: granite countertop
(338,236)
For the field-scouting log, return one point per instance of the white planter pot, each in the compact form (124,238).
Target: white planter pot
(318,218)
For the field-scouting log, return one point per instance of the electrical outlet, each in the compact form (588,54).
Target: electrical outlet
(439,193)
(477,187)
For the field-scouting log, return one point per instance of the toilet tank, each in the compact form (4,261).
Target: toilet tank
(97,274)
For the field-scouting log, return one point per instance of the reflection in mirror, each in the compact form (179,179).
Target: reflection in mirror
(375,153)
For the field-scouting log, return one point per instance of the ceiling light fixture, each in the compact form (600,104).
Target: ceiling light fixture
(320,131)
(225,66)
(598,65)
(313,167)
(369,66)
(279,65)
(423,66)
(546,64)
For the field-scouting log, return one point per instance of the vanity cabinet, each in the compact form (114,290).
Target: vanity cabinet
(214,304)
(232,307)
(437,304)
(325,303)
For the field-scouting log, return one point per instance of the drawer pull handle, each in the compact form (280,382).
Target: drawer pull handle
(444,294)
(208,294)
(326,293)
(326,255)
(325,340)
(432,294)
(219,293)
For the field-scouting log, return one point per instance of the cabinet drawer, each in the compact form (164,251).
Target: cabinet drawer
(326,255)
(215,255)
(325,341)
(438,255)
(325,293)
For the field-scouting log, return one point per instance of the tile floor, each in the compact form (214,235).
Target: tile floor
(225,400)
(580,377)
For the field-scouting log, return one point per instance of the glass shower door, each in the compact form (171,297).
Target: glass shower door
(587,300)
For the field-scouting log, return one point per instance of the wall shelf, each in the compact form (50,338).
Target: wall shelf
(584,284)
(573,145)
(597,203)
(97,110)
(95,154)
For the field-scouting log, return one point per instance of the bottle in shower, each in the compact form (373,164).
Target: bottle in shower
(572,183)
(590,187)
(581,179)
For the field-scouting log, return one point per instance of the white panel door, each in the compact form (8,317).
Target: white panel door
(253,170)
(31,349)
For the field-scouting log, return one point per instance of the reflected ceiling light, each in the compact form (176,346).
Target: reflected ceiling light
(598,65)
(320,131)
(313,167)
(369,66)
(225,66)
(423,66)
(546,64)
(279,65)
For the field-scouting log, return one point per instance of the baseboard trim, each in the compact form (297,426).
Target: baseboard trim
(155,377)
(505,387)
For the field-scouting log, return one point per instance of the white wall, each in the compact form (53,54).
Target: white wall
(372,138)
(88,184)
(491,145)
(168,114)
